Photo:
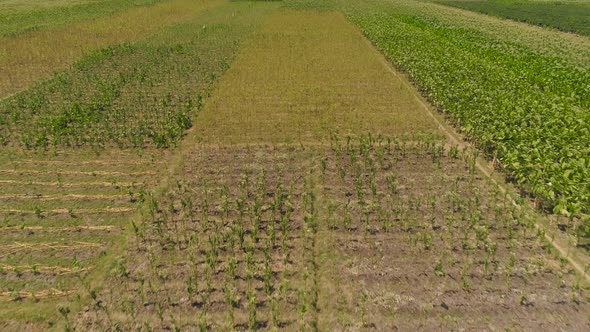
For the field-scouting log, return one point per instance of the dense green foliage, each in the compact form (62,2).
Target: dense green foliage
(528,111)
(127,95)
(566,16)
(37,16)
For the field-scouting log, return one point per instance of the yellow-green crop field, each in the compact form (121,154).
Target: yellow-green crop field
(174,165)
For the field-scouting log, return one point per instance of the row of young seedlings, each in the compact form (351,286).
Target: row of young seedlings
(364,164)
(249,246)
(446,210)
(95,103)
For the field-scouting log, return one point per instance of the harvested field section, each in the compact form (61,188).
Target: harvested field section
(303,76)
(56,228)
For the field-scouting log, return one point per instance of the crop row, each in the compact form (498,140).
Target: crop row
(287,238)
(223,250)
(565,16)
(129,95)
(30,17)
(528,111)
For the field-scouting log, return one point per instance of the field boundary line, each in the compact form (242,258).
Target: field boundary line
(58,197)
(89,162)
(56,229)
(67,211)
(71,184)
(92,173)
(298,144)
(480,164)
(56,269)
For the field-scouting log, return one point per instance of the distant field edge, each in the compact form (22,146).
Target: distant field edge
(21,17)
(566,16)
(31,57)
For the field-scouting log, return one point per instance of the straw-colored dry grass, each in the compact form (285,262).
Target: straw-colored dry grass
(57,226)
(303,76)
(28,58)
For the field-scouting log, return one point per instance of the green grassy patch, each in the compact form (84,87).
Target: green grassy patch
(130,95)
(567,16)
(21,16)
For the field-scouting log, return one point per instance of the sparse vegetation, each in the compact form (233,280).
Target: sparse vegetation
(259,165)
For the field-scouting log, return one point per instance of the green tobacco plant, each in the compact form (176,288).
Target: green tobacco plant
(527,110)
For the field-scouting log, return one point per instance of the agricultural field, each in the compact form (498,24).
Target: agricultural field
(569,16)
(21,16)
(292,165)
(78,156)
(306,101)
(526,111)
(60,217)
(28,58)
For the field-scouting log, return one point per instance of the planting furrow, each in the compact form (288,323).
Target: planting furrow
(62,211)
(38,269)
(43,295)
(64,197)
(62,172)
(56,229)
